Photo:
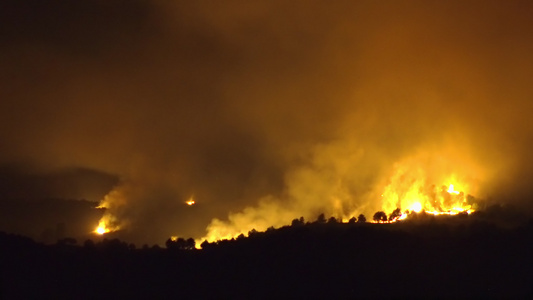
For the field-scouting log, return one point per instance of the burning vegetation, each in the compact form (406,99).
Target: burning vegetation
(443,201)
(431,181)
(106,224)
(419,200)
(110,204)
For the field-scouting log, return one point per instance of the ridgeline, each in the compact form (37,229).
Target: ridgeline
(423,257)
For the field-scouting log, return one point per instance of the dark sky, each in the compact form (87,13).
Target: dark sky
(264,111)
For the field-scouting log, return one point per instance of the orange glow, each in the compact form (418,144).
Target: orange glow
(109,222)
(451,190)
(436,182)
(106,224)
(101,229)
(416,207)
(435,202)
(424,183)
(191,201)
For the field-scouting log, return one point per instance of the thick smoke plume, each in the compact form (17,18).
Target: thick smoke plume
(265,111)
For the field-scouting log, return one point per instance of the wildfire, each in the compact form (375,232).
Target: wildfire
(431,181)
(417,198)
(444,202)
(416,207)
(451,190)
(101,229)
(106,224)
(110,204)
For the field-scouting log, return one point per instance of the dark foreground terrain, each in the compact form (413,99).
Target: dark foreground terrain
(424,259)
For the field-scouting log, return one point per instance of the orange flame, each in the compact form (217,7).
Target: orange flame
(109,221)
(438,204)
(101,229)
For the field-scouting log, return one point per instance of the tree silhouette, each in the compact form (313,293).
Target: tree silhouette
(395,214)
(171,245)
(297,222)
(252,232)
(190,244)
(380,216)
(205,244)
(361,219)
(352,220)
(332,220)
(180,244)
(321,218)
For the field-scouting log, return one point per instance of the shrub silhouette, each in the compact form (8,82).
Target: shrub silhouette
(321,218)
(395,214)
(332,220)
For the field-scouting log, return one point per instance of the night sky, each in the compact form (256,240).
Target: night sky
(262,111)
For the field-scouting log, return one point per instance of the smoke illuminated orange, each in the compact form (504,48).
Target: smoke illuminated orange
(439,182)
(105,225)
(109,222)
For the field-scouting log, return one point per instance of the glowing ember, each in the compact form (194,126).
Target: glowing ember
(190,202)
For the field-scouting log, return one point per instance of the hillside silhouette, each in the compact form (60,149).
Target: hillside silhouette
(464,256)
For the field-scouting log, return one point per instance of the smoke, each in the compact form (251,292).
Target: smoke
(270,110)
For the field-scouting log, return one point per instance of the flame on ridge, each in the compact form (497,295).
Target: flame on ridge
(436,184)
(109,222)
(102,228)
(106,224)
(445,200)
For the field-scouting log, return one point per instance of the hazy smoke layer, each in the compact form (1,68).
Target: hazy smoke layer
(307,105)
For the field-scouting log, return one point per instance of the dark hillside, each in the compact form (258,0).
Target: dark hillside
(318,260)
